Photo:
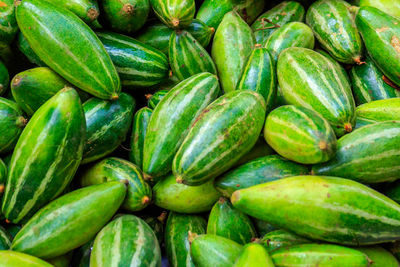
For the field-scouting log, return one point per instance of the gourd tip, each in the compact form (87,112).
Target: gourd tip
(92,13)
(125,181)
(145,200)
(21,122)
(1,188)
(114,97)
(221,200)
(358,61)
(175,22)
(128,9)
(235,197)
(15,82)
(257,45)
(7,221)
(347,127)
(212,29)
(179,180)
(322,145)
(191,237)
(148,96)
(147,177)
(162,216)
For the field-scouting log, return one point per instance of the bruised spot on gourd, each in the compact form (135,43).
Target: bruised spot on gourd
(395,42)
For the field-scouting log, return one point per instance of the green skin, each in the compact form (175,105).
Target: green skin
(177,231)
(319,255)
(379,256)
(139,128)
(226,221)
(16,259)
(4,78)
(360,122)
(324,208)
(333,61)
(212,12)
(381,34)
(126,16)
(26,49)
(313,81)
(228,118)
(334,27)
(212,250)
(232,44)
(157,225)
(171,120)
(281,239)
(81,256)
(139,193)
(393,191)
(388,6)
(368,85)
(33,87)
(138,64)
(168,194)
(175,14)
(300,135)
(12,122)
(35,178)
(156,98)
(61,47)
(254,255)
(380,110)
(187,57)
(285,12)
(292,34)
(126,240)
(61,261)
(8,23)
(87,10)
(107,122)
(368,155)
(157,34)
(260,149)
(3,174)
(259,75)
(69,221)
(5,239)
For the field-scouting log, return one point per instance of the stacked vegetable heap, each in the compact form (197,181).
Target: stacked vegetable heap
(209,133)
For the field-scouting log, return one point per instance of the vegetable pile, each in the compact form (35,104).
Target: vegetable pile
(209,133)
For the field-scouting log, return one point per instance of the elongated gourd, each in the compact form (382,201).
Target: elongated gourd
(174,14)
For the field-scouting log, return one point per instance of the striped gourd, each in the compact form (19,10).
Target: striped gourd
(34,177)
(379,256)
(293,34)
(5,239)
(334,27)
(187,57)
(26,49)
(68,46)
(232,44)
(281,239)
(380,110)
(154,99)
(279,15)
(12,122)
(126,241)
(81,256)
(319,255)
(202,156)
(369,155)
(226,221)
(258,171)
(212,12)
(87,10)
(16,259)
(137,64)
(338,65)
(300,134)
(325,208)
(177,231)
(259,75)
(381,34)
(8,23)
(176,13)
(212,250)
(171,119)
(4,78)
(388,6)
(313,81)
(69,221)
(107,124)
(3,176)
(260,149)
(368,84)
(170,195)
(254,255)
(138,194)
(61,261)
(126,16)
(360,122)
(157,34)
(139,128)
(33,87)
